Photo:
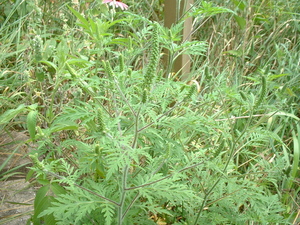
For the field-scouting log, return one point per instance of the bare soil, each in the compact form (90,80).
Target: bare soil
(16,195)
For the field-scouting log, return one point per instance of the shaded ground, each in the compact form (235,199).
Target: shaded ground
(16,202)
(16,195)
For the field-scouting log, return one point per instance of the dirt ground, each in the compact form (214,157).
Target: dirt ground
(16,195)
(17,199)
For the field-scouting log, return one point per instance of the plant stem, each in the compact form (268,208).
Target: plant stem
(224,170)
(123,195)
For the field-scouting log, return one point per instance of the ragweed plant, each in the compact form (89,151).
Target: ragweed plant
(162,159)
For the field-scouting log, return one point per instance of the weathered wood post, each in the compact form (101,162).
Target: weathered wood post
(174,9)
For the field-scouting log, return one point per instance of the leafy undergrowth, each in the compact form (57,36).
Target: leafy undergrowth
(121,139)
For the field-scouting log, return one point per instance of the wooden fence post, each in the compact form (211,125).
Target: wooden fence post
(174,9)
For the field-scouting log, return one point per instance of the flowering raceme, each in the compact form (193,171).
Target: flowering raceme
(116,3)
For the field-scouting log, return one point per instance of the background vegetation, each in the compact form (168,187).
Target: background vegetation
(120,139)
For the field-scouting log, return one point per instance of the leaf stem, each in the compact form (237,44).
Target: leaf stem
(131,203)
(166,177)
(83,188)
